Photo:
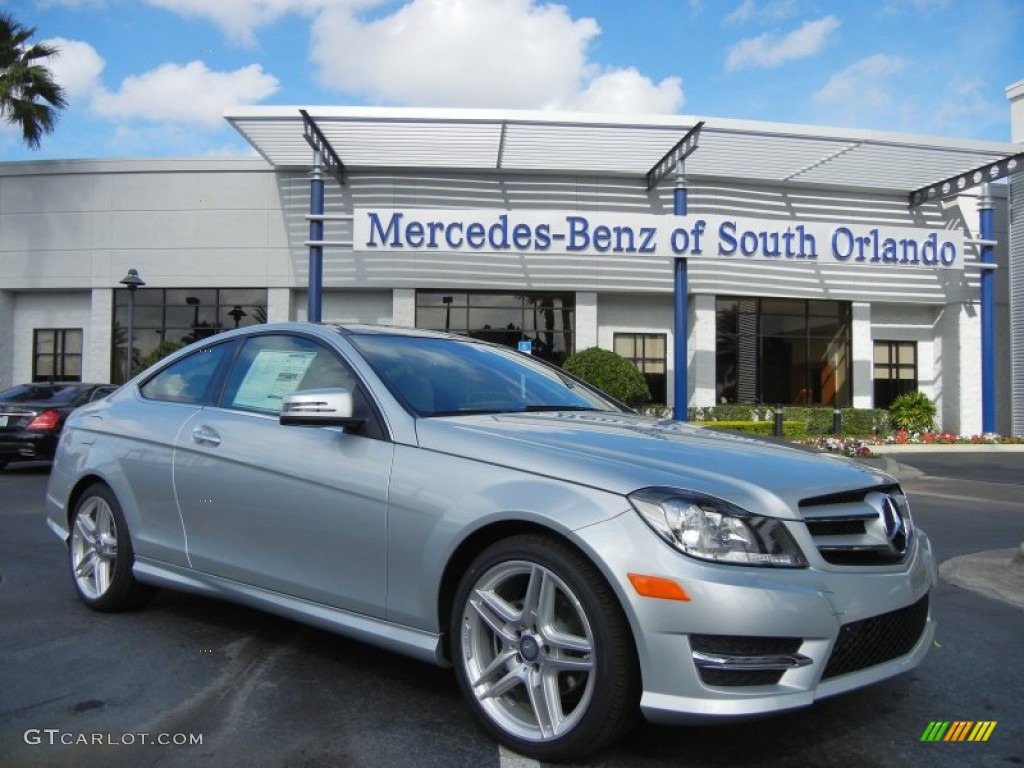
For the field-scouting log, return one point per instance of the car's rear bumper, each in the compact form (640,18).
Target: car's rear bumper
(24,445)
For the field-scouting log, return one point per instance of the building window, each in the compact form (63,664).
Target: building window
(57,354)
(180,316)
(547,320)
(648,352)
(787,351)
(895,370)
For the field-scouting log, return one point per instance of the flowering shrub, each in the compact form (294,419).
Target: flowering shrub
(861,447)
(844,445)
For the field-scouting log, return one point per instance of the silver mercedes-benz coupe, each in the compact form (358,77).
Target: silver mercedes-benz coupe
(468,505)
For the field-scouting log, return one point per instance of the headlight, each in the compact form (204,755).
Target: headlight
(711,529)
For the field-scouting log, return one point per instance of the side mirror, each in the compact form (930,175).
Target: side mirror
(319,408)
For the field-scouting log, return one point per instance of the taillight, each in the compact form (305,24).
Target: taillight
(45,420)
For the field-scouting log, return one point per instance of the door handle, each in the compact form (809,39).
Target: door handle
(205,434)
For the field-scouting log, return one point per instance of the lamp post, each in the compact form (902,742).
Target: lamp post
(447,301)
(132,282)
(194,302)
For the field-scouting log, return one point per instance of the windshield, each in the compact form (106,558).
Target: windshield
(42,393)
(444,377)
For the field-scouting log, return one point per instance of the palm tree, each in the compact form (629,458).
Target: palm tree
(29,97)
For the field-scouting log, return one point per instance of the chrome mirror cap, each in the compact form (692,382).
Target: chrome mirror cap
(319,408)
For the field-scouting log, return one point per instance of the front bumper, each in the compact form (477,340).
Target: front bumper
(755,640)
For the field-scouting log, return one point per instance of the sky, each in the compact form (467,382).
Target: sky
(152,77)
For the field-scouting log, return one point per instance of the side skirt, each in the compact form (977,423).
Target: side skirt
(424,646)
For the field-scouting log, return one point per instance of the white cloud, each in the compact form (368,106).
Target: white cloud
(466,53)
(71,3)
(964,102)
(239,19)
(184,94)
(626,91)
(915,7)
(863,85)
(744,12)
(770,50)
(76,67)
(137,138)
(768,10)
(749,11)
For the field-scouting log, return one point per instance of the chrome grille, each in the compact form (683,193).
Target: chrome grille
(865,527)
(735,661)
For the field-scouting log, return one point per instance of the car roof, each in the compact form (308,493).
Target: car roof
(365,329)
(346,329)
(57,384)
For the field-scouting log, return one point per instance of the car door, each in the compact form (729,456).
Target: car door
(138,430)
(295,510)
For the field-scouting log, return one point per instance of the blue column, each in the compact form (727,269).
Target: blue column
(316,236)
(682,309)
(986,214)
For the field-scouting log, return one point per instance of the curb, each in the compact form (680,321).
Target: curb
(998,574)
(948,448)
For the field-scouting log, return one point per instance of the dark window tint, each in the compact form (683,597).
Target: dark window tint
(186,380)
(436,377)
(30,393)
(546,320)
(179,316)
(782,351)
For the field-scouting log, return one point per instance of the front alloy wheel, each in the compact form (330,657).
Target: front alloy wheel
(101,554)
(542,650)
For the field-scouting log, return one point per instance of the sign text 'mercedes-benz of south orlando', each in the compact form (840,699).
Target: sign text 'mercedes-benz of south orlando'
(589,234)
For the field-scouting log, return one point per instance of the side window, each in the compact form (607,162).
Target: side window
(186,380)
(270,367)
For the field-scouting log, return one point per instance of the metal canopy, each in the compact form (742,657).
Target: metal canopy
(369,138)
(325,154)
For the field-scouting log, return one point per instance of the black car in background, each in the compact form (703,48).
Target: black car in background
(32,416)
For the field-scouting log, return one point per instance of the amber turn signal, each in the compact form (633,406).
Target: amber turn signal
(656,586)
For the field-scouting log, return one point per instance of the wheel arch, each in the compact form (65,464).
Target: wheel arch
(78,490)
(481,539)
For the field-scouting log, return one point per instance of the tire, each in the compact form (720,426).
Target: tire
(101,555)
(542,650)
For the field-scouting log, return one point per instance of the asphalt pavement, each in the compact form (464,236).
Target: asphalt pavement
(997,573)
(258,690)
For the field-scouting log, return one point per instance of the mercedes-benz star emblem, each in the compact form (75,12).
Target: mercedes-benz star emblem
(894,527)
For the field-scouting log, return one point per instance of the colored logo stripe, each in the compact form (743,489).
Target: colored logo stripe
(958,730)
(935,731)
(982,731)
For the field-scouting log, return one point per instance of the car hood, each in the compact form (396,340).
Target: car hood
(622,453)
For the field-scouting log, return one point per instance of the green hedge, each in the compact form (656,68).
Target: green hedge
(856,422)
(791,429)
(611,373)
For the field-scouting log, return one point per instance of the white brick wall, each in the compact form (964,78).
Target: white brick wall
(52,309)
(6,339)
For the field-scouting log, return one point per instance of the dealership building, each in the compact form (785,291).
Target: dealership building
(731,261)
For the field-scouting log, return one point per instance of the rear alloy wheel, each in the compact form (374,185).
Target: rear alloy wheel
(542,650)
(101,554)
